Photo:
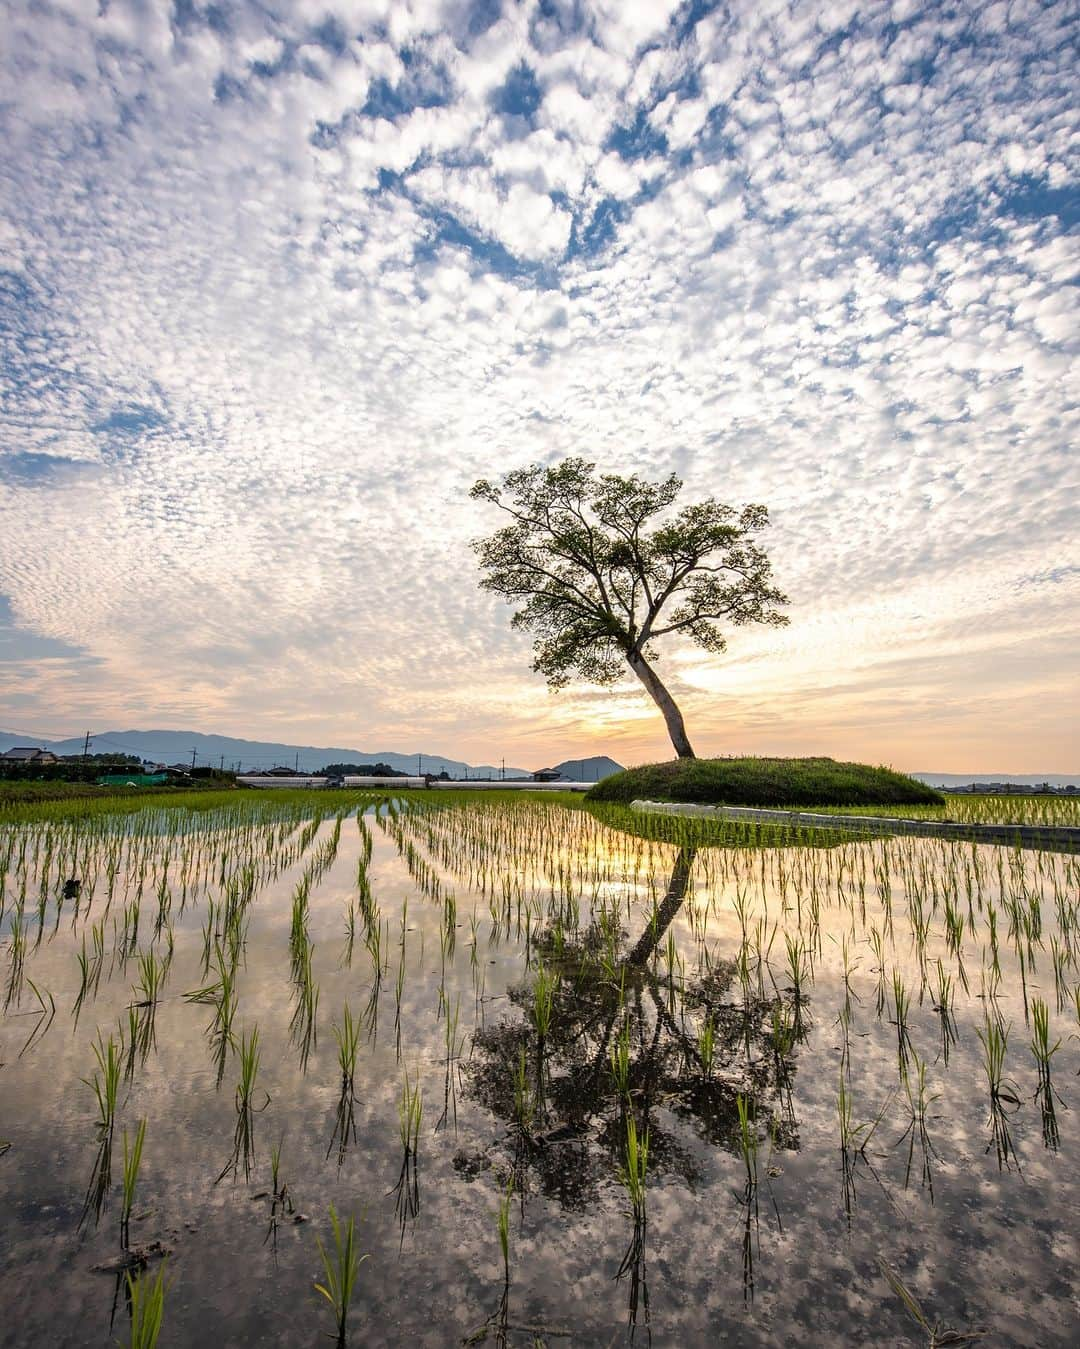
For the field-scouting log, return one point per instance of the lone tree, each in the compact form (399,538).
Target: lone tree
(598,587)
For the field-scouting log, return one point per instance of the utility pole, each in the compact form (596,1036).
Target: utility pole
(296,762)
(193,752)
(86,746)
(223,763)
(502,770)
(419,765)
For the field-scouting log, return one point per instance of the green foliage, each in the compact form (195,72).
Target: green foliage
(598,587)
(341,1270)
(362,770)
(132,1161)
(764,782)
(147,1298)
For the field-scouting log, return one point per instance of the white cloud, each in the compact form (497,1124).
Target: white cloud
(248,381)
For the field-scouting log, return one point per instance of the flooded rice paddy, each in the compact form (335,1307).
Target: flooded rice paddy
(578,1077)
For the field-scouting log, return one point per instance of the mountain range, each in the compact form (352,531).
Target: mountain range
(1020,779)
(179,747)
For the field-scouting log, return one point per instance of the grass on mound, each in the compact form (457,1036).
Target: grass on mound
(782,783)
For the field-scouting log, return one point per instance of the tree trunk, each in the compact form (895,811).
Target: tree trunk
(665,702)
(669,907)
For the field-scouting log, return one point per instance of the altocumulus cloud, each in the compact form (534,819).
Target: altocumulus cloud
(278,281)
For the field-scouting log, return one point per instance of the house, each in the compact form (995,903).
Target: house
(547,775)
(29,755)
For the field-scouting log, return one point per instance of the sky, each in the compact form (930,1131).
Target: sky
(279,281)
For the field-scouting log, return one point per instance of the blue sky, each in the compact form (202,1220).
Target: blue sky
(279,281)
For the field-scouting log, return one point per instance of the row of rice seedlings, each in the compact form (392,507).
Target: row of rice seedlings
(955,921)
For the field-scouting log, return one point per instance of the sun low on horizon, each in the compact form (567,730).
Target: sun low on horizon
(280,282)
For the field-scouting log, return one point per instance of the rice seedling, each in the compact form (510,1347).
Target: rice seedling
(90,967)
(524,1101)
(299,941)
(544,989)
(856,1137)
(619,1057)
(132,1161)
(376,949)
(407,1190)
(747,1139)
(146,1298)
(901,1005)
(243,1152)
(783,1037)
(1041,1048)
(503,1219)
(399,988)
(303,1026)
(347,1037)
(281,1203)
(46,1014)
(707,1045)
(994,1037)
(341,1270)
(410,1114)
(1043,1052)
(633,1173)
(943,1004)
(16,959)
(938,1335)
(249,1055)
(105,1082)
(914,1080)
(452,1046)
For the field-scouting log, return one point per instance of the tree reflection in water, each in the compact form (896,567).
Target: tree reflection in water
(636,1038)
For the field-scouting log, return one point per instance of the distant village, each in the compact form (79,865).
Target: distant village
(32,762)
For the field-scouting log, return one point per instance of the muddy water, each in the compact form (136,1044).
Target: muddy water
(971,1202)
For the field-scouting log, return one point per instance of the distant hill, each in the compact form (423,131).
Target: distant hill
(177,746)
(1021,779)
(587,770)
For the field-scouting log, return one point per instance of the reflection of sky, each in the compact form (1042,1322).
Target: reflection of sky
(277,286)
(992,1248)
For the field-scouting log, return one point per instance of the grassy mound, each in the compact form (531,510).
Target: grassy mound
(789,783)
